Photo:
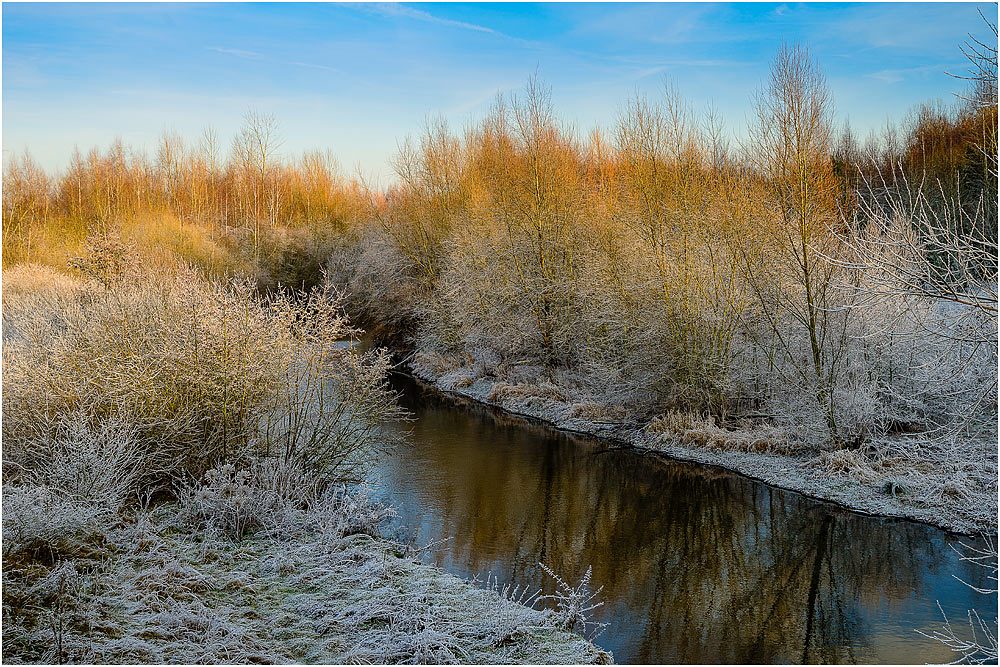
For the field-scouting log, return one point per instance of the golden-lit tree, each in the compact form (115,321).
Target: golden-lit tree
(254,152)
(429,195)
(790,146)
(526,182)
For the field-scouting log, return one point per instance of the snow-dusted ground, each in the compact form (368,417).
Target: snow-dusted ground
(959,497)
(156,589)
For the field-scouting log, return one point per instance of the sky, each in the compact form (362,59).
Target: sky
(358,78)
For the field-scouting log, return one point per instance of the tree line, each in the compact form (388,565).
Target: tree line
(798,275)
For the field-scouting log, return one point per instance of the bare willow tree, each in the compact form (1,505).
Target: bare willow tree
(513,259)
(254,152)
(790,146)
(541,202)
(666,171)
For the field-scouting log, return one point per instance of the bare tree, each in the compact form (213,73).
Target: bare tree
(210,150)
(790,146)
(982,71)
(254,150)
(428,197)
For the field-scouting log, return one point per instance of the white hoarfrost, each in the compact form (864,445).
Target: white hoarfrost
(244,569)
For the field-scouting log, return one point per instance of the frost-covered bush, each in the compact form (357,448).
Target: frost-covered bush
(86,458)
(355,511)
(277,498)
(382,286)
(240,502)
(69,481)
(201,371)
(573,604)
(184,360)
(330,402)
(46,522)
(63,603)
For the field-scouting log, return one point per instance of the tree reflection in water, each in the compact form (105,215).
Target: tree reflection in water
(698,565)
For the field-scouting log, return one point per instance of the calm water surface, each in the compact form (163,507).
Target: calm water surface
(698,565)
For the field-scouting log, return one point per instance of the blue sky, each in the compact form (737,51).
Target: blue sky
(357,78)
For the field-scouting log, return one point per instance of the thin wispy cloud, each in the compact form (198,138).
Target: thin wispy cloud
(239,53)
(253,55)
(483,96)
(393,9)
(676,65)
(409,12)
(897,75)
(317,66)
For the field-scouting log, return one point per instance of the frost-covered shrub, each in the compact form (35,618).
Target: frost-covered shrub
(505,292)
(573,604)
(184,360)
(383,286)
(87,458)
(71,478)
(200,370)
(274,497)
(356,511)
(331,402)
(47,522)
(239,502)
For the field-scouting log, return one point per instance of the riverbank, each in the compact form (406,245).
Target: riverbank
(899,478)
(323,588)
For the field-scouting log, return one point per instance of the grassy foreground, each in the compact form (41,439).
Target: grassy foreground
(156,589)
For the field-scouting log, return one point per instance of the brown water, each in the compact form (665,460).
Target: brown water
(698,565)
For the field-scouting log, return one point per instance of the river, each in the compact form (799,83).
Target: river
(698,565)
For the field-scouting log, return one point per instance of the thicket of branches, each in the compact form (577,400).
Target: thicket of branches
(247,211)
(134,377)
(843,289)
